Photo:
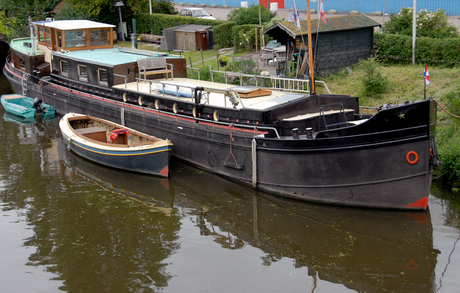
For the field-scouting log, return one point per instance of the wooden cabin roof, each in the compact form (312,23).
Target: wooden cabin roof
(339,23)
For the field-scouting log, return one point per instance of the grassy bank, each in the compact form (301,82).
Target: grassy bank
(406,83)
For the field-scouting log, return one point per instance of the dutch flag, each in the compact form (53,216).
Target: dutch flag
(321,11)
(426,75)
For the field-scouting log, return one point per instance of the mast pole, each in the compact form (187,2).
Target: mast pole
(310,51)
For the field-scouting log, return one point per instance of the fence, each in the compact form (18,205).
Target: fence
(452,7)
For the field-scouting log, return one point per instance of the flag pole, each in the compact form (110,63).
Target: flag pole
(310,49)
(424,88)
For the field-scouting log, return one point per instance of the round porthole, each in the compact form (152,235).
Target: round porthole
(124,98)
(175,108)
(140,100)
(194,112)
(215,115)
(157,104)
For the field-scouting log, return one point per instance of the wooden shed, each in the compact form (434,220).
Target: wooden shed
(192,37)
(342,41)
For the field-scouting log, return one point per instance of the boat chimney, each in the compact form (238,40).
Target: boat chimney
(31,30)
(309,131)
(295,133)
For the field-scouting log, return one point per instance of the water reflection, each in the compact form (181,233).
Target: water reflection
(27,121)
(365,250)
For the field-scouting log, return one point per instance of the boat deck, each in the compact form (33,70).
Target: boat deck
(183,88)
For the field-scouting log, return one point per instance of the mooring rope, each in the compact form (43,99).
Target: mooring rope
(453,115)
(40,85)
(230,129)
(254,163)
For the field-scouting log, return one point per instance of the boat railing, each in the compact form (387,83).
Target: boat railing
(143,52)
(276,83)
(125,77)
(368,110)
(254,128)
(194,68)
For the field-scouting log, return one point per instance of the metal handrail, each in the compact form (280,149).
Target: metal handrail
(273,81)
(194,68)
(125,77)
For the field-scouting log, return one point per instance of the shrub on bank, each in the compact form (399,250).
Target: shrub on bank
(223,34)
(448,140)
(397,49)
(155,23)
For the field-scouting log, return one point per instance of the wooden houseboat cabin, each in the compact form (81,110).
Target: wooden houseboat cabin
(82,51)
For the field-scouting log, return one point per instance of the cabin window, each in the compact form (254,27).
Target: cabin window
(102,77)
(47,36)
(82,73)
(21,63)
(41,34)
(75,39)
(100,37)
(64,67)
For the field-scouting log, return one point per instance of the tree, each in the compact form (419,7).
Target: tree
(250,15)
(68,12)
(429,24)
(17,13)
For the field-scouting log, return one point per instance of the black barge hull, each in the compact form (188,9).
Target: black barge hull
(384,163)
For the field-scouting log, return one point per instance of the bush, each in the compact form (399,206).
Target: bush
(223,34)
(398,49)
(163,7)
(429,24)
(448,141)
(155,23)
(374,83)
(250,15)
(244,37)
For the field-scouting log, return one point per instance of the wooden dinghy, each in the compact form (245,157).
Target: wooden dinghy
(116,146)
(26,107)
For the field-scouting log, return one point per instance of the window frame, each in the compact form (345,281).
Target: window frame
(80,76)
(61,63)
(102,82)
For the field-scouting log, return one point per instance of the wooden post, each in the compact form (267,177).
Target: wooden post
(255,32)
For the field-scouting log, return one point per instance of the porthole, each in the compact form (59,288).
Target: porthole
(128,71)
(157,104)
(175,108)
(124,98)
(215,115)
(140,100)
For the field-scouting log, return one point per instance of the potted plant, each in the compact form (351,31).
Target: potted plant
(223,60)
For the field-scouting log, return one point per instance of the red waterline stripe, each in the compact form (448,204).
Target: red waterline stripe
(421,203)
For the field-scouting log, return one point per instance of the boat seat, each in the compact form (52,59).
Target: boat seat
(156,65)
(95,133)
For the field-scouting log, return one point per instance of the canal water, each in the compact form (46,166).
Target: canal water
(69,225)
